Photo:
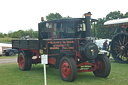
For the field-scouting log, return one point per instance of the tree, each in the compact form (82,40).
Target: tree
(100,28)
(67,17)
(114,15)
(103,32)
(31,33)
(21,33)
(53,16)
(1,35)
(126,15)
(16,34)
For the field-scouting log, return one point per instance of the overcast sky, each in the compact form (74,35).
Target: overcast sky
(26,14)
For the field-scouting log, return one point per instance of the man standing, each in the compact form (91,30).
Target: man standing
(105,45)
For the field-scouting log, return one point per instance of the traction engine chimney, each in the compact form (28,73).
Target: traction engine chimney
(88,23)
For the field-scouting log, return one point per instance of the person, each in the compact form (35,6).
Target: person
(105,45)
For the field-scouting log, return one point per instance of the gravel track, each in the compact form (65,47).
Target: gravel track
(8,60)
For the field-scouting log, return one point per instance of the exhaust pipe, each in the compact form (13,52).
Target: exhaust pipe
(88,23)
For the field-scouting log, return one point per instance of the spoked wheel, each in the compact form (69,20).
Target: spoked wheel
(25,62)
(103,66)
(119,48)
(68,69)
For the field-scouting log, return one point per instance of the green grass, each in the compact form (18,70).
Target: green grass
(11,75)
(3,57)
(3,40)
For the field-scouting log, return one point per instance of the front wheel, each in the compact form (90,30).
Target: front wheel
(103,66)
(68,69)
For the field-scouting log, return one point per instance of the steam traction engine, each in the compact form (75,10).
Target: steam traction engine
(119,44)
(69,46)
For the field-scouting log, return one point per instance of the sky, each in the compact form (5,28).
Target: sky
(25,14)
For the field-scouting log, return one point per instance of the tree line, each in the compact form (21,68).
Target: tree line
(108,32)
(100,30)
(20,33)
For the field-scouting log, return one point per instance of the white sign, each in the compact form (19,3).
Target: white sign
(44,59)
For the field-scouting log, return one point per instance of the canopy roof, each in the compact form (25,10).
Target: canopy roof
(117,21)
(69,20)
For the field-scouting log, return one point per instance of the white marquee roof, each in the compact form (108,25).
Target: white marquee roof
(5,45)
(116,21)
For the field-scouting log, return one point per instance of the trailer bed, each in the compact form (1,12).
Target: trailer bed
(25,44)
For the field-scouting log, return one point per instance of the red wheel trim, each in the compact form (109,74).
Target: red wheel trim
(21,62)
(100,67)
(65,69)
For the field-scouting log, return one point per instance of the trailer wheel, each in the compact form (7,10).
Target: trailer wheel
(68,69)
(104,67)
(25,62)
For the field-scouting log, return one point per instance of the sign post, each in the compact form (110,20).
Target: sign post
(44,60)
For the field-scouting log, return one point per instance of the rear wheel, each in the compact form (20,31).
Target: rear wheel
(104,66)
(25,61)
(68,69)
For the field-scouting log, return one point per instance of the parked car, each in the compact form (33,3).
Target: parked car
(3,46)
(10,52)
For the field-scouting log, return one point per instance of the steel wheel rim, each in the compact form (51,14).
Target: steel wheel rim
(100,67)
(65,69)
(120,48)
(21,62)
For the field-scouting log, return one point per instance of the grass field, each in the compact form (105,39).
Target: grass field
(3,40)
(11,75)
(4,57)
